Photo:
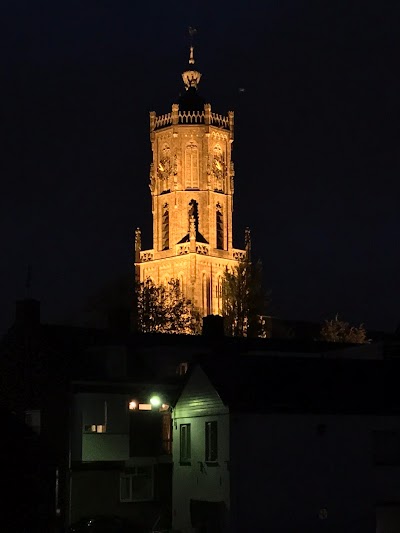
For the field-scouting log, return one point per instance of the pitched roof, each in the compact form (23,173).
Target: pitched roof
(299,384)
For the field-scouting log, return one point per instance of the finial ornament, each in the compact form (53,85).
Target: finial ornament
(191,56)
(191,78)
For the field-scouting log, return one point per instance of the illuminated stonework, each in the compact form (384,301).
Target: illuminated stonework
(191,184)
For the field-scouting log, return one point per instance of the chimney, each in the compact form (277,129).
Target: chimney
(27,313)
(213,326)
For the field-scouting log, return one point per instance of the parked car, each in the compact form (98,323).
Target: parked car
(104,524)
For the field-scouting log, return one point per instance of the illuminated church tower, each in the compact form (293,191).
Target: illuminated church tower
(192,186)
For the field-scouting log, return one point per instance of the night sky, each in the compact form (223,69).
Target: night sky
(316,148)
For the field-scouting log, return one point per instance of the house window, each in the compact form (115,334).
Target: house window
(211,445)
(32,419)
(145,407)
(136,484)
(185,447)
(95,428)
(98,428)
(182,368)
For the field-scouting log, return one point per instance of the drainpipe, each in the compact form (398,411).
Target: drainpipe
(69,473)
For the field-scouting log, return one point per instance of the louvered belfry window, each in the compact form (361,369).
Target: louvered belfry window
(219,228)
(165,228)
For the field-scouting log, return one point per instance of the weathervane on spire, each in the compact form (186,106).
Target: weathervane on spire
(192,33)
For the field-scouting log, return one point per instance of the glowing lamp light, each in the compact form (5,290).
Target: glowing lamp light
(161,167)
(155,401)
(218,165)
(132,405)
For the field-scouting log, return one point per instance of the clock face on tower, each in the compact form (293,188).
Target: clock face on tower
(218,172)
(164,168)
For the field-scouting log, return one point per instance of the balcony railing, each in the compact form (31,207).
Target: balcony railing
(105,447)
(220,120)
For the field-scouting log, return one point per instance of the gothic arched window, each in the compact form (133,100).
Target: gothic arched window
(219,228)
(206,295)
(218,294)
(191,166)
(165,227)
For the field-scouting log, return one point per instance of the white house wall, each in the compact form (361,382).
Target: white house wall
(198,480)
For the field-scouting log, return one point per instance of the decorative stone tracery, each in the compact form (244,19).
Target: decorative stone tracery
(192,166)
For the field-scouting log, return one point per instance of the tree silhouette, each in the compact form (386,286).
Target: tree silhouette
(243,299)
(164,309)
(337,330)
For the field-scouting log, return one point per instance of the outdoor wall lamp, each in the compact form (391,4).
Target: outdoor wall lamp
(155,401)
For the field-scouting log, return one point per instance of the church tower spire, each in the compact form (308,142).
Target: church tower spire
(192,187)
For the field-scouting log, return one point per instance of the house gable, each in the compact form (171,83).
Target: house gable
(199,397)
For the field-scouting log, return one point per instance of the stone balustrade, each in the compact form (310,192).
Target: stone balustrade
(220,120)
(184,248)
(147,255)
(163,120)
(239,255)
(190,117)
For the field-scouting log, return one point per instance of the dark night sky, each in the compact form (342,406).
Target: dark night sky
(316,148)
